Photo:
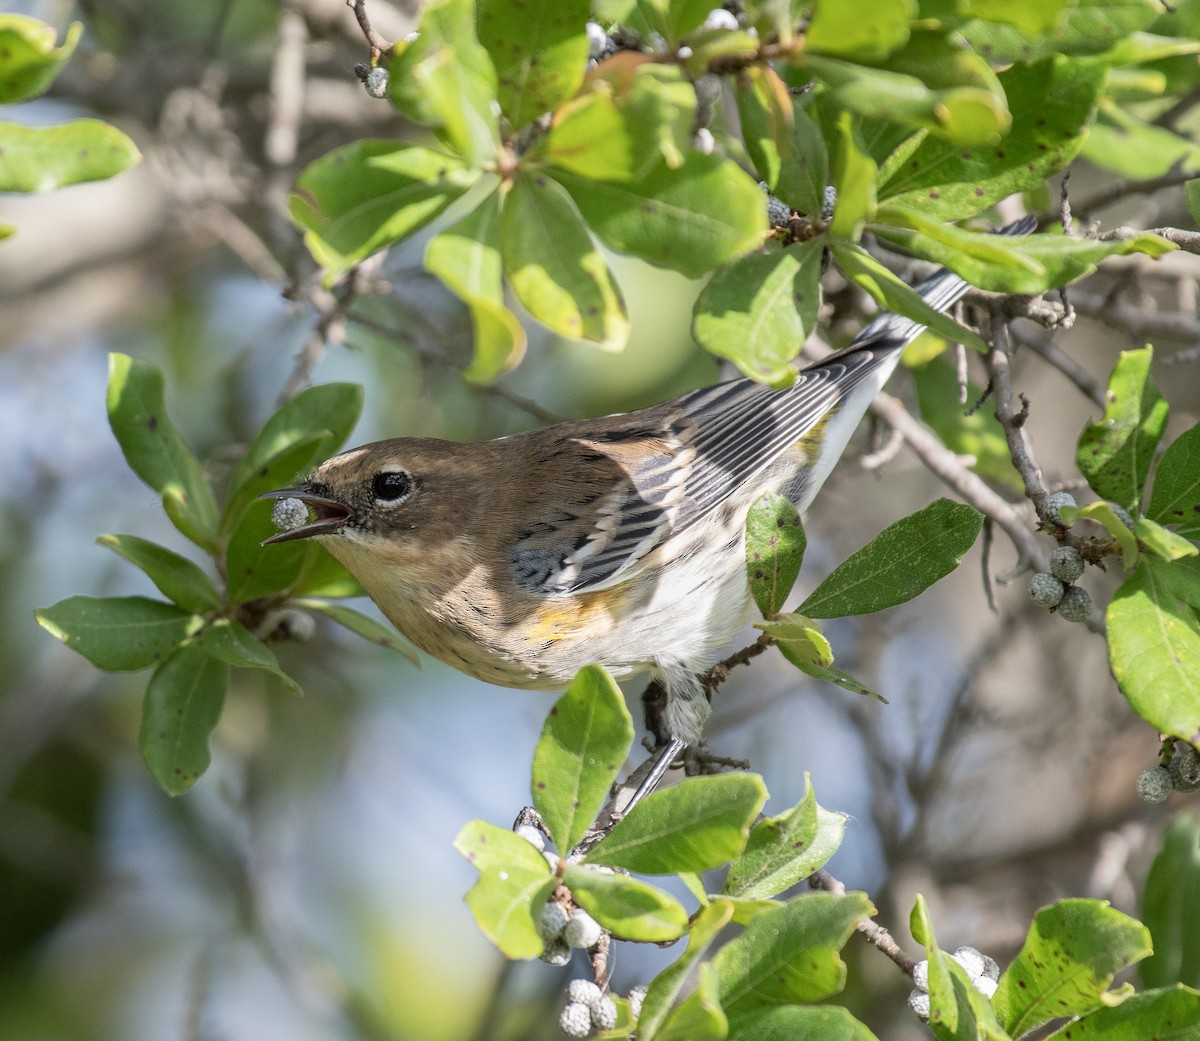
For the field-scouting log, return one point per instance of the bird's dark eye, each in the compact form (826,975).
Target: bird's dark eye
(391,486)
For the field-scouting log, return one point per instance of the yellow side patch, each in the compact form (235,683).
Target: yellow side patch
(560,620)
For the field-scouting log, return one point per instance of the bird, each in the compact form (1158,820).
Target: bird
(616,541)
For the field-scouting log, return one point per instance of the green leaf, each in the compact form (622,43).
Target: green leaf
(1163,542)
(978,435)
(784,849)
(629,909)
(832,674)
(590,137)
(1086,27)
(864,29)
(1154,647)
(584,741)
(253,570)
(793,1023)
(29,61)
(183,704)
(1173,1013)
(540,51)
(227,640)
(759,310)
(119,634)
(854,176)
(901,562)
(1115,453)
(323,576)
(176,577)
(1176,496)
(363,197)
(1192,191)
(504,901)
(894,295)
(281,470)
(671,19)
(466,257)
(788,954)
(799,639)
(444,79)
(784,142)
(1067,963)
(154,449)
(362,625)
(699,1017)
(1030,16)
(696,825)
(957,1011)
(690,219)
(487,846)
(1104,515)
(1052,102)
(1130,147)
(555,269)
(775,543)
(668,984)
(1171,907)
(41,159)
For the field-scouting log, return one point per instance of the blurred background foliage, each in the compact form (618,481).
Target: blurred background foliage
(307,888)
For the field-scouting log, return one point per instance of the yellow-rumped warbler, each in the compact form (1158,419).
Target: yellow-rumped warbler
(616,541)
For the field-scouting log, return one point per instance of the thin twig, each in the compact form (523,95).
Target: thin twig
(379,45)
(875,934)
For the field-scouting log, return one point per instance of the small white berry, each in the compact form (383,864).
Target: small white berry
(636,996)
(1184,768)
(991,969)
(1054,502)
(552,920)
(555,953)
(582,930)
(575,1020)
(719,18)
(604,1013)
(1154,784)
(918,1001)
(1045,590)
(828,202)
(1066,563)
(288,514)
(583,992)
(985,986)
(1076,605)
(531,835)
(704,142)
(377,82)
(971,960)
(921,975)
(551,859)
(597,40)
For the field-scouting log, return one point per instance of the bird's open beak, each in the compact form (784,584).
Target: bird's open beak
(330,515)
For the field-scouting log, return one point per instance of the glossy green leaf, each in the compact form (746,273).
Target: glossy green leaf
(1082,27)
(832,674)
(1103,514)
(504,902)
(699,1017)
(696,825)
(957,1011)
(466,257)
(540,52)
(795,1023)
(782,850)
(183,703)
(782,139)
(444,78)
(1175,499)
(759,310)
(1067,963)
(590,137)
(1134,148)
(43,158)
(154,449)
(789,954)
(487,846)
(671,19)
(895,295)
(691,219)
(1154,647)
(799,639)
(121,633)
(854,176)
(1115,452)
(555,269)
(1163,542)
(584,742)
(365,196)
(29,60)
(864,29)
(629,909)
(901,562)
(362,625)
(668,984)
(775,543)
(1052,102)
(227,640)
(1030,16)
(1170,1013)
(1171,906)
(176,577)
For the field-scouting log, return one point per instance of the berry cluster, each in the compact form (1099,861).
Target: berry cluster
(982,970)
(1181,773)
(1054,589)
(587,1007)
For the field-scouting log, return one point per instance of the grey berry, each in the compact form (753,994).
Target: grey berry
(778,212)
(583,992)
(287,514)
(555,953)
(918,1001)
(636,996)
(604,1013)
(921,975)
(582,930)
(1184,768)
(1076,605)
(991,970)
(703,141)
(1154,784)
(531,835)
(971,960)
(1045,590)
(575,1020)
(377,82)
(1066,563)
(1054,502)
(1122,515)
(985,986)
(552,921)
(597,40)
